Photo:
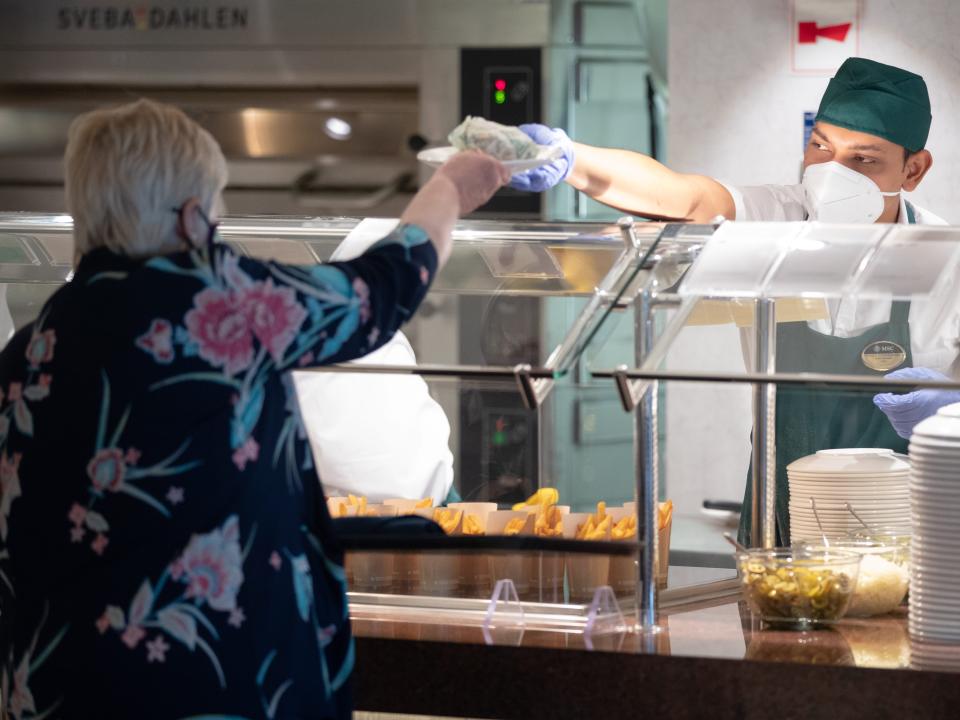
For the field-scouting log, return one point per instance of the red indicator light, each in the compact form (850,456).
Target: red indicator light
(500,84)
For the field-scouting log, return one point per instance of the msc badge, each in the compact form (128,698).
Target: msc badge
(883,356)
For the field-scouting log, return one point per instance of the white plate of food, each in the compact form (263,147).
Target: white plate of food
(435,157)
(510,145)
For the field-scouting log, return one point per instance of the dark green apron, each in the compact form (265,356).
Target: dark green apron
(810,420)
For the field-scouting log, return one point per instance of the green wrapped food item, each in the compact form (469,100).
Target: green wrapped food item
(503,142)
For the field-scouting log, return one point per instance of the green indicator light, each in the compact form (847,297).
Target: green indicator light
(499,97)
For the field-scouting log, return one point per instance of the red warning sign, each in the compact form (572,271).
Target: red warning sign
(824,33)
(808,32)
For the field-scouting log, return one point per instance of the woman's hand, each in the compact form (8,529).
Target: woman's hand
(461,185)
(476,176)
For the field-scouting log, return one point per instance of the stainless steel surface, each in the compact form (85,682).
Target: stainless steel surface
(630,384)
(810,379)
(816,516)
(333,150)
(733,541)
(480,372)
(647,471)
(763,533)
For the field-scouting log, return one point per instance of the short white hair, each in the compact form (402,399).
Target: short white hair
(128,167)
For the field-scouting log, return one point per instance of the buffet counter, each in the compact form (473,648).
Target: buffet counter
(712,661)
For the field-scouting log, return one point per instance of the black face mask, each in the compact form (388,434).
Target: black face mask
(211,232)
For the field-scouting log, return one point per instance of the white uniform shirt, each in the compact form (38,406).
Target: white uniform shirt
(934,328)
(382,436)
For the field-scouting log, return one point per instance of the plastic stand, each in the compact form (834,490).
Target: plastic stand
(504,622)
(606,627)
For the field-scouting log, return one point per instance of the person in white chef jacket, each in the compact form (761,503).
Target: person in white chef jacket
(867,149)
(381,436)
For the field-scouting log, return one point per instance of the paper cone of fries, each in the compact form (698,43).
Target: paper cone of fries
(373,571)
(585,573)
(408,564)
(664,525)
(516,566)
(474,579)
(440,571)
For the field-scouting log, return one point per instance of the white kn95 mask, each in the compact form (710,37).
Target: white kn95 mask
(834,193)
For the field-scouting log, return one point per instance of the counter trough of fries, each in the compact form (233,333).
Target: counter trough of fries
(551,554)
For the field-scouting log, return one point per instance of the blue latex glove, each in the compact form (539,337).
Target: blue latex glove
(905,411)
(545,176)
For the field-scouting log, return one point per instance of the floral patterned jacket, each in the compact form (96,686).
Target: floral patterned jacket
(165,550)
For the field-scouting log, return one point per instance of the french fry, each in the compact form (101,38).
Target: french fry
(471,526)
(664,514)
(425,503)
(514,526)
(447,519)
(549,522)
(626,528)
(543,496)
(597,527)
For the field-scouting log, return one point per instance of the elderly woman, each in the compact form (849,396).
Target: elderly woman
(165,550)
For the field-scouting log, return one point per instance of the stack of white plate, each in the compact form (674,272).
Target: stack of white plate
(935,553)
(874,481)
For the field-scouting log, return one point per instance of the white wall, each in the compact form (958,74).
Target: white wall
(736,113)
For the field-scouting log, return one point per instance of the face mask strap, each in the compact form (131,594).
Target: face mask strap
(211,232)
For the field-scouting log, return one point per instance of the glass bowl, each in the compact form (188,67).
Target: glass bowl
(798,587)
(884,576)
(885,536)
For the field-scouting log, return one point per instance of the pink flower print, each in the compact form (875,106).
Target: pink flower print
(132,636)
(9,487)
(99,543)
(77,514)
(275,316)
(305,359)
(40,348)
(248,452)
(103,623)
(158,341)
(15,392)
(157,649)
(373,336)
(237,617)
(107,469)
(132,456)
(175,495)
(424,275)
(362,292)
(21,699)
(219,324)
(76,534)
(275,560)
(211,566)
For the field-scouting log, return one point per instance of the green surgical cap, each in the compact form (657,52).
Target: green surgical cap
(878,99)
